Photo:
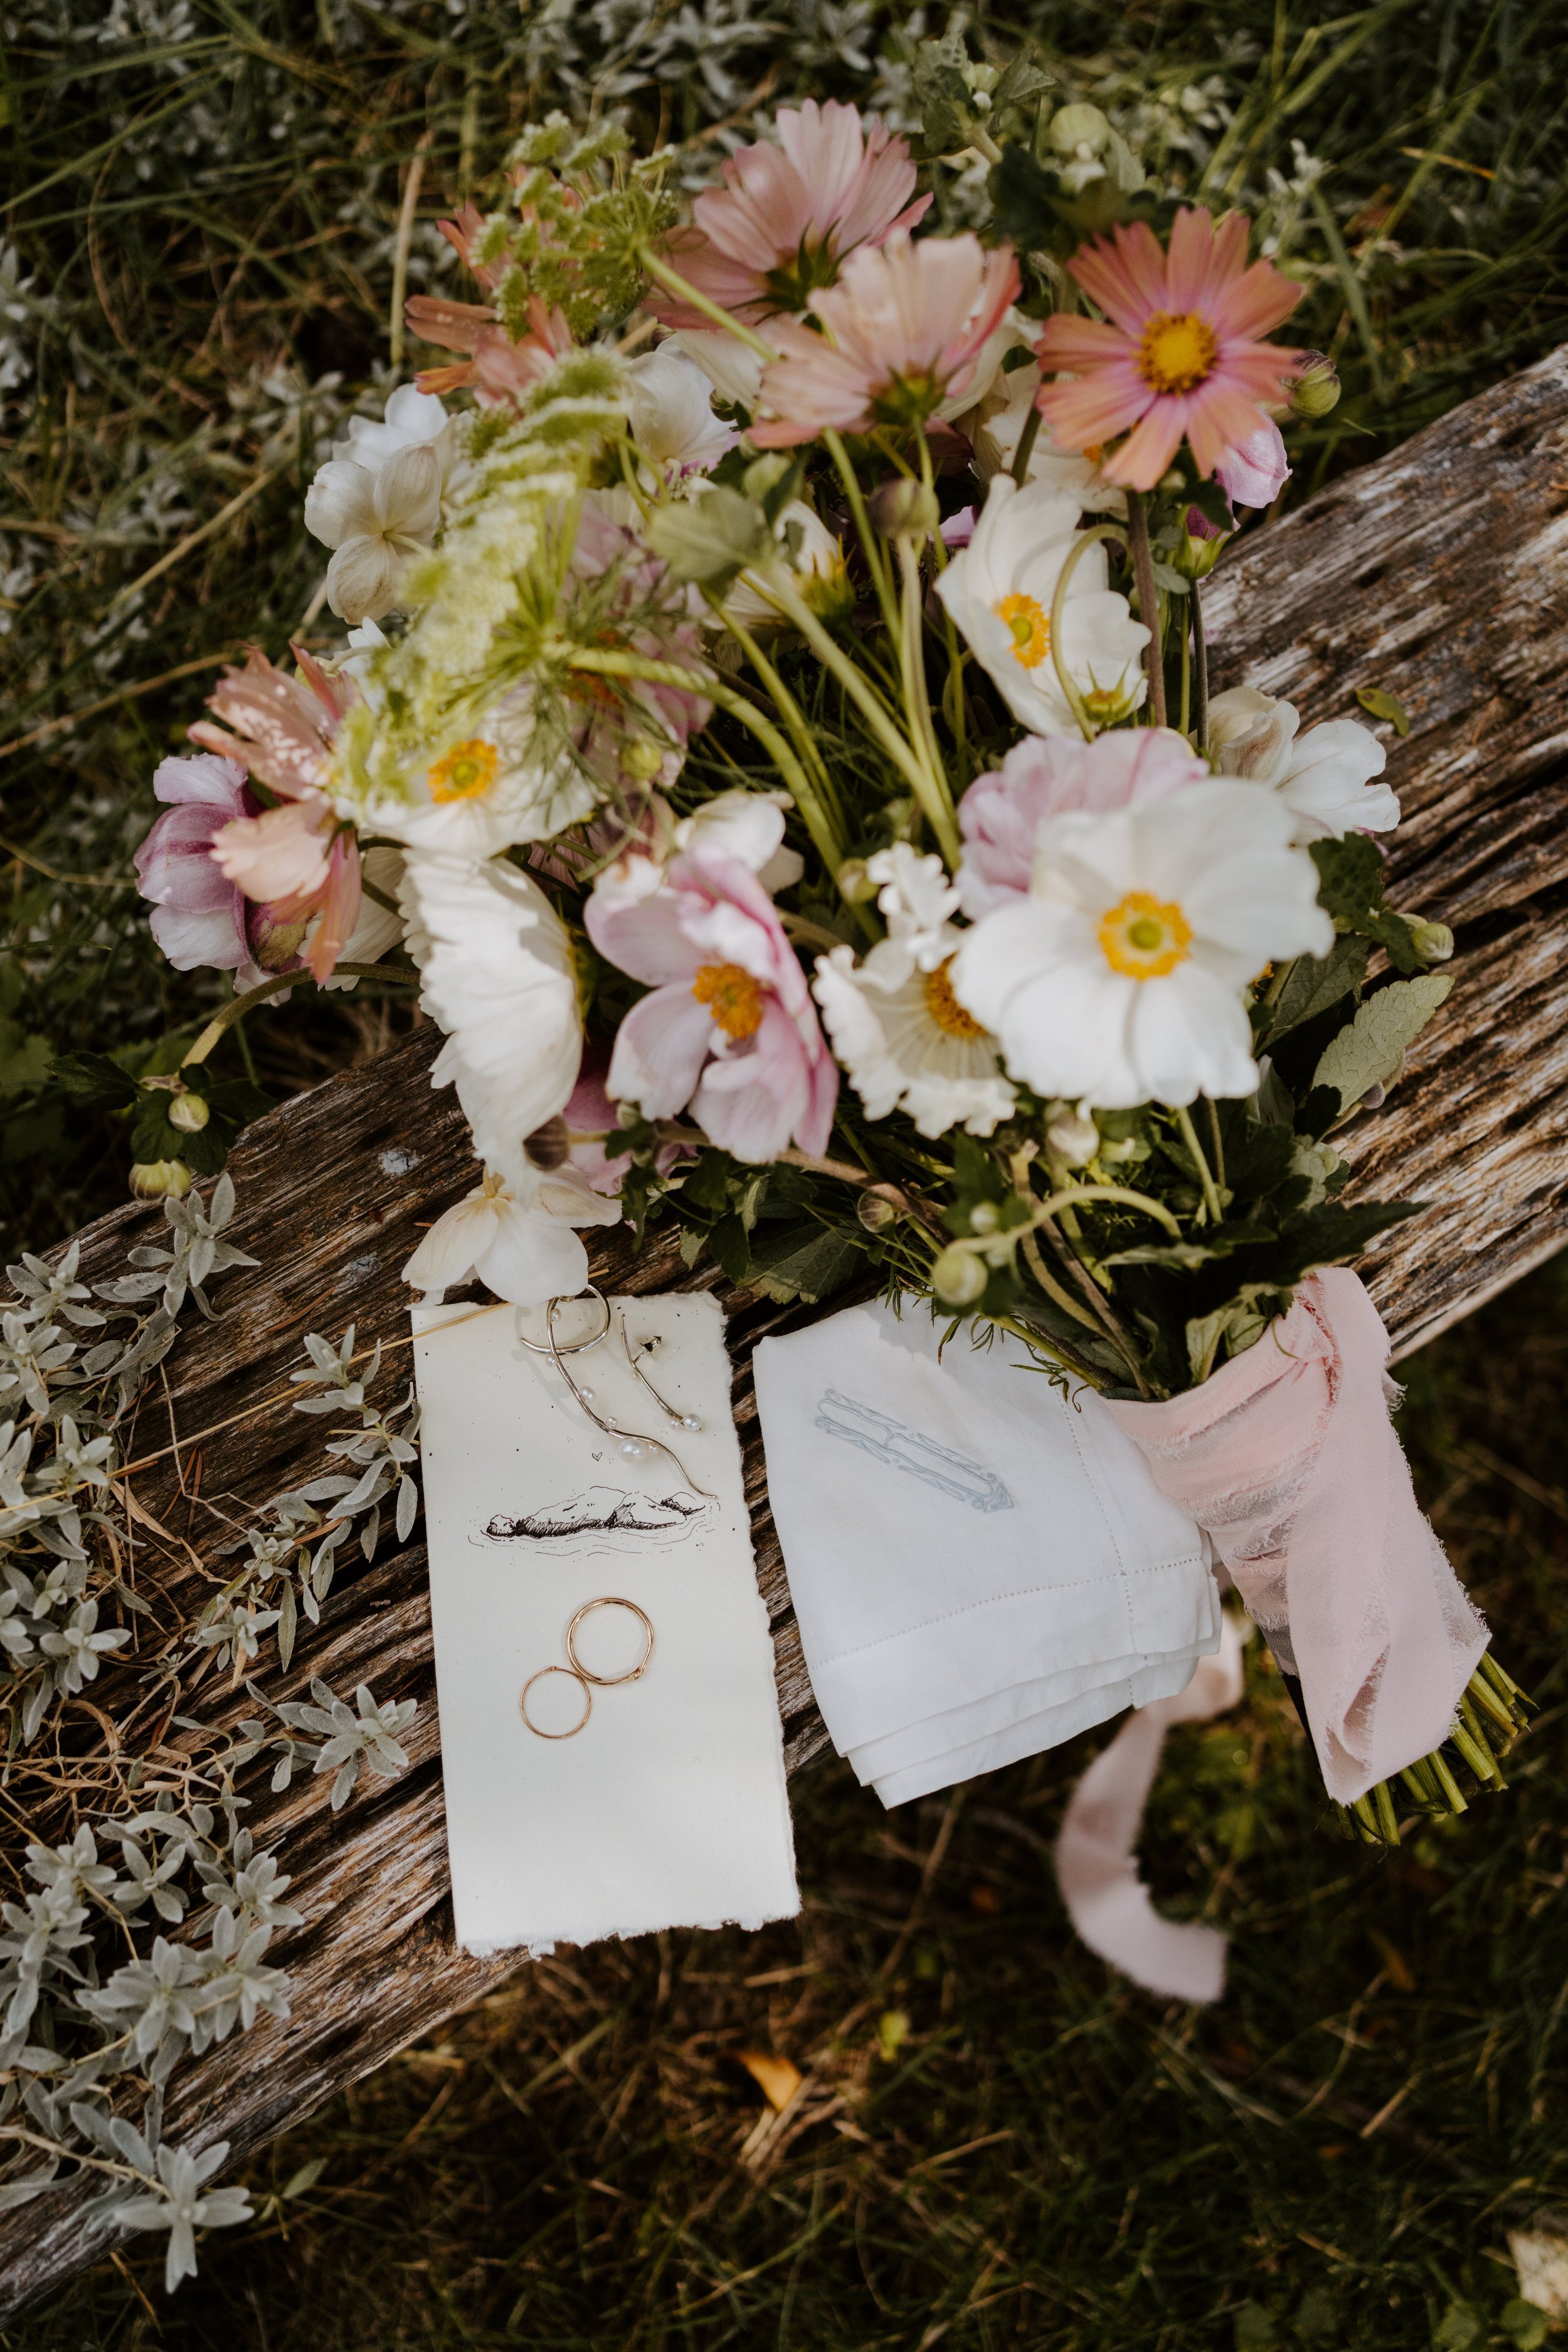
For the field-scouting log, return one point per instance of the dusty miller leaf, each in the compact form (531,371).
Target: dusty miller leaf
(1368,1054)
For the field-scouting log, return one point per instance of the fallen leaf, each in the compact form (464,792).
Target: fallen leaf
(1541,2258)
(1385,706)
(778,2079)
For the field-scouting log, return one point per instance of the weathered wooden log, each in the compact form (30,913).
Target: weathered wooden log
(1440,576)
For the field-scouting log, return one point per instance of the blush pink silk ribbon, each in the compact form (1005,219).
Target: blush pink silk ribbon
(1289,1461)
(1106,1899)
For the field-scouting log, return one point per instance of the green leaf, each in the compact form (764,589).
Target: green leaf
(1524,2323)
(94,1079)
(1329,1234)
(1314,982)
(732,1250)
(1023,81)
(1350,885)
(1024,208)
(808,1261)
(1461,2329)
(25,1061)
(1385,706)
(710,539)
(1368,1053)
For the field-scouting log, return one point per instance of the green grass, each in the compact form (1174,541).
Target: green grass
(206,209)
(1001,2143)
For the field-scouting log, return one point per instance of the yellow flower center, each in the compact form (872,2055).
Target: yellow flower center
(1177,351)
(1030,627)
(1144,938)
(734,999)
(466,773)
(944,1008)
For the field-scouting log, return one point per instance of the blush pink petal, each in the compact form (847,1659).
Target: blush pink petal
(751,1104)
(661,1048)
(1001,814)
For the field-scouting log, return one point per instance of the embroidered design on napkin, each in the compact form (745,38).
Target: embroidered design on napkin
(902,1448)
(603,1519)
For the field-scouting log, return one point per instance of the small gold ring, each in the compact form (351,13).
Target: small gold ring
(575,1674)
(550,1346)
(607,1681)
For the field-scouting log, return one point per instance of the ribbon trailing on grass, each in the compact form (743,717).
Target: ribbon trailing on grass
(1288,1459)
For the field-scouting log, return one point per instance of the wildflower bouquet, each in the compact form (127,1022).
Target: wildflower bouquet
(774,719)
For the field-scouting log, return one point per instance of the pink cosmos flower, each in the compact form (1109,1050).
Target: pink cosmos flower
(1001,814)
(1176,355)
(907,324)
(297,856)
(787,216)
(730,1027)
(499,369)
(199,917)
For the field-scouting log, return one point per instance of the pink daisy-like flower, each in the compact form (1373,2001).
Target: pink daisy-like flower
(787,216)
(730,1027)
(906,325)
(1176,355)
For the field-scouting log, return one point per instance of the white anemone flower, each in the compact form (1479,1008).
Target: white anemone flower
(1324,777)
(523,1244)
(1000,591)
(411,418)
(749,826)
(485,790)
(671,404)
(995,426)
(734,371)
(1119,979)
(817,563)
(496,974)
(896,1026)
(374,522)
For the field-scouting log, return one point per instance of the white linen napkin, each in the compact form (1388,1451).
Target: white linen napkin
(669,1809)
(981,1568)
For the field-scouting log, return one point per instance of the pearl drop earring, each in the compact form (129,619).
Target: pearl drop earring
(644,1348)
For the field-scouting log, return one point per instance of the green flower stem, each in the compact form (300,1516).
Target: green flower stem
(1148,601)
(934,800)
(673,283)
(1080,546)
(788,708)
(272,986)
(1019,469)
(871,546)
(1074,1194)
(1187,672)
(380,897)
(1054,1290)
(1048,1344)
(912,666)
(711,688)
(1183,1118)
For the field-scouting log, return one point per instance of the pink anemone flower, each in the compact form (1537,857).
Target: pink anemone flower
(199,917)
(906,326)
(1176,355)
(297,858)
(787,216)
(1001,814)
(730,1027)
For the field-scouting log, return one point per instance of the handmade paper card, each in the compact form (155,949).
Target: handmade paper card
(667,1807)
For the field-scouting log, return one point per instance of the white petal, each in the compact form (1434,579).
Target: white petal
(454,1243)
(362,579)
(340,503)
(534,1257)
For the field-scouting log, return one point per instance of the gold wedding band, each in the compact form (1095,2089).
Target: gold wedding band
(574,1674)
(607,1681)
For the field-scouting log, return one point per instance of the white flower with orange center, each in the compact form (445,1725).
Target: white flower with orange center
(896,1026)
(1000,591)
(488,788)
(1120,977)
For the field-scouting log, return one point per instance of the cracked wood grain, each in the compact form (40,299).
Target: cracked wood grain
(1439,575)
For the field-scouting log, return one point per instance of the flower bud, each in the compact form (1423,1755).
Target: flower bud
(1073,1136)
(1076,127)
(1317,386)
(549,1146)
(903,509)
(875,1211)
(189,1113)
(643,761)
(827,591)
(854,884)
(1433,942)
(958,1277)
(160,1180)
(1201,548)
